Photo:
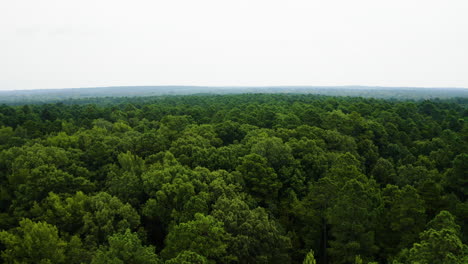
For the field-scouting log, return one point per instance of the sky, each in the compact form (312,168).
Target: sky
(89,43)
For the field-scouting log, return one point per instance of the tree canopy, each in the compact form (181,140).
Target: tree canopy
(247,178)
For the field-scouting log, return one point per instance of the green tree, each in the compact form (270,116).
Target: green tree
(33,242)
(125,248)
(440,243)
(39,181)
(205,236)
(274,150)
(401,221)
(94,218)
(384,172)
(125,182)
(170,187)
(312,224)
(455,179)
(107,215)
(311,156)
(309,259)
(352,220)
(254,236)
(34,171)
(260,180)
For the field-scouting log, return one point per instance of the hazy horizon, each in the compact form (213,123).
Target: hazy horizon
(241,86)
(77,44)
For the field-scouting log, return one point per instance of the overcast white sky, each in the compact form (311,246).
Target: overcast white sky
(88,43)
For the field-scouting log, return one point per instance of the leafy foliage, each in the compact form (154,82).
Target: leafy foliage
(249,178)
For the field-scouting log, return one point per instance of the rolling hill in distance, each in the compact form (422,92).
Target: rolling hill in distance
(53,95)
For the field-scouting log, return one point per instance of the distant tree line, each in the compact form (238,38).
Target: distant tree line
(60,95)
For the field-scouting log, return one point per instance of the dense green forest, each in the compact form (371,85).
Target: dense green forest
(250,178)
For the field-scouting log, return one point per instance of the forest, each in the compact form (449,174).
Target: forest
(60,95)
(244,178)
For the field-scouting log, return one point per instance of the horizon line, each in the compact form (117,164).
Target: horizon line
(236,86)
